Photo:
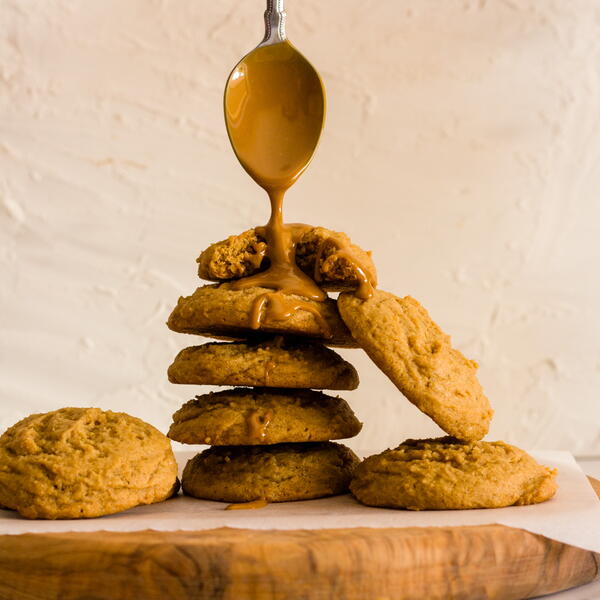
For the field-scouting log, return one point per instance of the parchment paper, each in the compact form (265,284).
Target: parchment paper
(572,516)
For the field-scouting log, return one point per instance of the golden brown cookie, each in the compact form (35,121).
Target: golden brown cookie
(402,340)
(250,416)
(273,363)
(83,462)
(444,473)
(218,311)
(327,256)
(277,473)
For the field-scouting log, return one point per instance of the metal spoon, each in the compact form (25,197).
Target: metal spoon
(274,107)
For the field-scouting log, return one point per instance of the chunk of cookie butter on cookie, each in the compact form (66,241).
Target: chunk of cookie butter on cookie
(83,462)
(403,341)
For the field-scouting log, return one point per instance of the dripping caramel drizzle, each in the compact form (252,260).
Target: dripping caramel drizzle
(260,251)
(366,285)
(261,503)
(280,307)
(283,274)
(271,364)
(258,423)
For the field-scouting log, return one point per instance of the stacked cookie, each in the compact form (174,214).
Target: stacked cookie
(271,436)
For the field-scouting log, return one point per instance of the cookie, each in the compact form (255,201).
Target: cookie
(275,363)
(219,311)
(444,473)
(277,473)
(247,416)
(402,340)
(83,462)
(327,256)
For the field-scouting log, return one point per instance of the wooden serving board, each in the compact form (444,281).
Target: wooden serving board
(480,562)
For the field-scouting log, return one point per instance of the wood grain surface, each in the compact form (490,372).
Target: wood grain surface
(482,562)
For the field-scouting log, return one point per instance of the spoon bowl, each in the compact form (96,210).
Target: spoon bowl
(274,112)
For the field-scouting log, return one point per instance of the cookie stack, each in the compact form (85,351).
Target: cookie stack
(269,440)
(270,437)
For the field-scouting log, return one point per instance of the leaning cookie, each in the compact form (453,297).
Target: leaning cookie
(403,341)
(277,362)
(250,416)
(277,473)
(444,473)
(327,256)
(222,312)
(83,462)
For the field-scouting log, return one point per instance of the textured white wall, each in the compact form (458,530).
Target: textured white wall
(462,146)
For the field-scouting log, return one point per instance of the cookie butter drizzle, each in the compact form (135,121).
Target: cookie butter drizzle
(269,366)
(283,276)
(365,284)
(261,503)
(260,252)
(281,307)
(258,423)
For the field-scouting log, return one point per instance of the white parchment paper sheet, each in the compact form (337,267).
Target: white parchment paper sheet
(572,516)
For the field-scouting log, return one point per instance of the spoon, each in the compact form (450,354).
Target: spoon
(274,107)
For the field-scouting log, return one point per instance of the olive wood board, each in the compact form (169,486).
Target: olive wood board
(426,563)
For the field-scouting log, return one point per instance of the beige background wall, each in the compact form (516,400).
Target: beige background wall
(462,146)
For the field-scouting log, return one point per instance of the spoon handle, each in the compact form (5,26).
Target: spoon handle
(274,23)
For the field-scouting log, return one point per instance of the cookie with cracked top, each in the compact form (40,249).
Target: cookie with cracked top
(83,462)
(444,473)
(403,341)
